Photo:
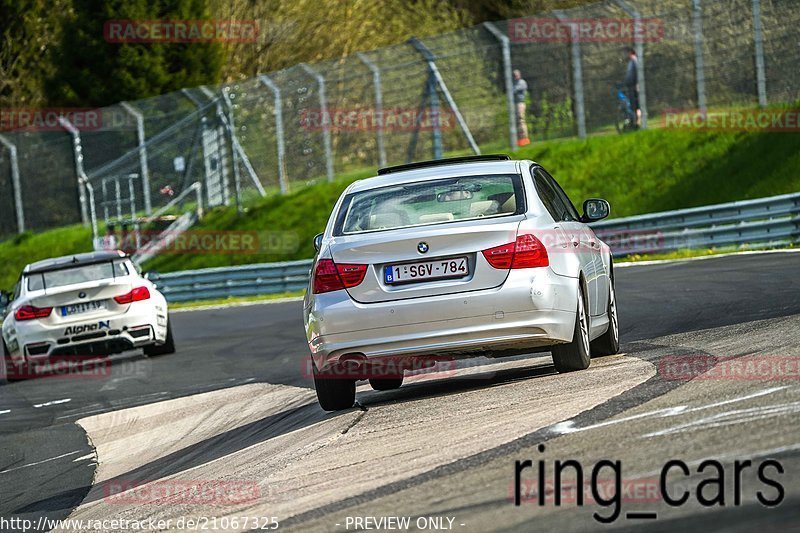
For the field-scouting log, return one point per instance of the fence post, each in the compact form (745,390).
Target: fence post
(200,108)
(577,74)
(282,178)
(78,160)
(145,171)
(83,180)
(699,63)
(436,76)
(759,50)
(376,82)
(326,129)
(638,31)
(236,146)
(16,186)
(512,108)
(220,116)
(231,127)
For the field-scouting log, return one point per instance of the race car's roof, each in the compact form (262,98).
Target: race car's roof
(70,261)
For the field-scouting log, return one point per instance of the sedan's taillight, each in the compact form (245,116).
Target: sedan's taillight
(136,295)
(29,312)
(328,276)
(526,252)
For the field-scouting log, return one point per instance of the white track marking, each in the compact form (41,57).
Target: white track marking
(54,402)
(728,418)
(568,426)
(39,462)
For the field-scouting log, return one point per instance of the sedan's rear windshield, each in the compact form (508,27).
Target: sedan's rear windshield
(79,274)
(431,202)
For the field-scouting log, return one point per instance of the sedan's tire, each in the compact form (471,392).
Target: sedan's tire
(162,349)
(386,383)
(608,342)
(334,393)
(575,355)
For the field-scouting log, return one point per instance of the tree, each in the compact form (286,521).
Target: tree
(29,31)
(91,71)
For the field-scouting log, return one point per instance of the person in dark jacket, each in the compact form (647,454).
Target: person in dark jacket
(631,84)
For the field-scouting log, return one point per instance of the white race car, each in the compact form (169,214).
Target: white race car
(84,305)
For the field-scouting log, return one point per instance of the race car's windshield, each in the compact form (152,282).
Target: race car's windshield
(80,274)
(431,202)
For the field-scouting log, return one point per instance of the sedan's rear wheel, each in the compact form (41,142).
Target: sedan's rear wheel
(575,355)
(386,383)
(608,342)
(334,393)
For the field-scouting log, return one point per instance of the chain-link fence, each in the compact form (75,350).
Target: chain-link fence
(449,93)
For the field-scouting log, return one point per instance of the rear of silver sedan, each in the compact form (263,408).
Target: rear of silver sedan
(426,270)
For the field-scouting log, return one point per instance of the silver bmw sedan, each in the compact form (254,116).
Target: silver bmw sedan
(455,258)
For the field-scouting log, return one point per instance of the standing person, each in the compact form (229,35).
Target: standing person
(110,239)
(520,91)
(631,84)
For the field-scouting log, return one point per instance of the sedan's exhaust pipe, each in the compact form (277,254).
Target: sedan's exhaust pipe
(352,361)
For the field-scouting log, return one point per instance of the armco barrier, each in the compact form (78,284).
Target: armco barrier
(247,280)
(773,221)
(764,222)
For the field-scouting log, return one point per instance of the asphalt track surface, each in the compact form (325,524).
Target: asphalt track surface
(235,405)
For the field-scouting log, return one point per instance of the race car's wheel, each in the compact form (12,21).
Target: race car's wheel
(608,342)
(334,393)
(162,349)
(575,355)
(386,383)
(12,371)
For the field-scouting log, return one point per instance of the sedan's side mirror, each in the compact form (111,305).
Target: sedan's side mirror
(5,298)
(595,209)
(317,241)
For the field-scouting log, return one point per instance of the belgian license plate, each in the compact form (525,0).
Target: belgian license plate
(83,307)
(454,267)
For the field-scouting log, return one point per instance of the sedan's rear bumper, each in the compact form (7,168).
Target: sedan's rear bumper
(533,308)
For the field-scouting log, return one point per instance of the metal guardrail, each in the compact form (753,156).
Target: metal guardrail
(222,282)
(765,222)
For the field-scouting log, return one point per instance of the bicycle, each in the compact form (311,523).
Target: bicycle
(626,116)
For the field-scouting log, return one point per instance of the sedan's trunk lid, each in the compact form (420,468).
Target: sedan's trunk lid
(433,245)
